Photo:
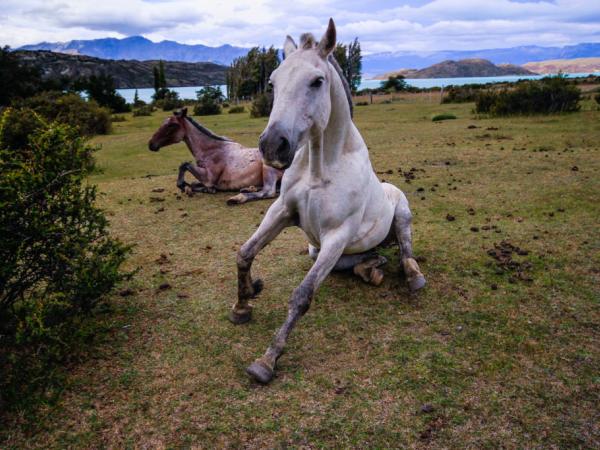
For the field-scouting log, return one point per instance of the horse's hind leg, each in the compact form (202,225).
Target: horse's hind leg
(402,226)
(365,265)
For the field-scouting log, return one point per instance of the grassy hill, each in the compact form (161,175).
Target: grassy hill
(127,73)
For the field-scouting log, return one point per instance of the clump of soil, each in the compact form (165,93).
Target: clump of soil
(503,254)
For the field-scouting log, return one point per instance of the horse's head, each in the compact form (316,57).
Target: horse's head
(302,99)
(170,132)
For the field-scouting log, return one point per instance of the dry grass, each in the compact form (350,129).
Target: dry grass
(460,366)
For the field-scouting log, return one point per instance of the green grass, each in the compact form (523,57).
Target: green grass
(516,366)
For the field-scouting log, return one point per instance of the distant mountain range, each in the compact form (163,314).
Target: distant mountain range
(578,65)
(126,73)
(142,49)
(379,63)
(475,67)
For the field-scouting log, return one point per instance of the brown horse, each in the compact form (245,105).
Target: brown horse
(221,164)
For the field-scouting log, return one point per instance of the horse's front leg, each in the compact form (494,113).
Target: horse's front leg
(402,225)
(270,177)
(204,176)
(276,219)
(263,368)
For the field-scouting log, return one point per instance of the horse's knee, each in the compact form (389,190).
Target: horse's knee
(301,299)
(184,166)
(244,258)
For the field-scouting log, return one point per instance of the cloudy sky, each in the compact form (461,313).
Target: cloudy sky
(384,25)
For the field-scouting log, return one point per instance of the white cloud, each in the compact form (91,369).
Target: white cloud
(380,25)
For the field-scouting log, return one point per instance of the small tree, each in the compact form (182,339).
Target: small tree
(395,84)
(209,101)
(136,100)
(102,89)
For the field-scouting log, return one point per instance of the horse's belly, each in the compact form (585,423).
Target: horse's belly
(371,233)
(243,171)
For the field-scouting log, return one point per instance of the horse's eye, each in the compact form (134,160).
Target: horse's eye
(317,83)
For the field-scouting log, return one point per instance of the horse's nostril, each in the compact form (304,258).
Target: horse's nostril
(283,145)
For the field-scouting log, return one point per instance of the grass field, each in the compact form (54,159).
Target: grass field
(501,350)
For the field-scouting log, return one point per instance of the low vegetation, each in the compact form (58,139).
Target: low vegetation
(262,105)
(549,95)
(58,259)
(86,116)
(237,109)
(444,116)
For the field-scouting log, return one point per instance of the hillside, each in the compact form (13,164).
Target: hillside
(577,65)
(462,68)
(127,73)
(140,48)
(379,63)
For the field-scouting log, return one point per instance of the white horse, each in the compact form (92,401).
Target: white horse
(329,188)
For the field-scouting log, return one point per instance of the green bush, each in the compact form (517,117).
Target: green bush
(237,109)
(262,105)
(395,84)
(118,118)
(546,96)
(209,101)
(71,109)
(58,259)
(462,94)
(439,117)
(145,110)
(597,98)
(169,101)
(102,89)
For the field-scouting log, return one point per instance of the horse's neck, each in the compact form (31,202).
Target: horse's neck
(200,145)
(326,148)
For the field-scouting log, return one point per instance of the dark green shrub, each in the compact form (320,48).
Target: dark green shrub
(23,123)
(439,117)
(117,118)
(597,98)
(169,101)
(462,94)
(18,80)
(546,96)
(209,101)
(71,109)
(145,110)
(58,259)
(262,105)
(237,109)
(361,104)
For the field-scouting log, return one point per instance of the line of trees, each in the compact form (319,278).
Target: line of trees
(249,75)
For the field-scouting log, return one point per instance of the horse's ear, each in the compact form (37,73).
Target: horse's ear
(183,112)
(327,42)
(289,46)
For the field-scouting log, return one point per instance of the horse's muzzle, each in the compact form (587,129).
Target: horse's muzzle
(153,147)
(276,148)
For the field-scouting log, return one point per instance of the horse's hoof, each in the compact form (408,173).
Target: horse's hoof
(248,189)
(189,191)
(417,282)
(257,287)
(239,317)
(376,277)
(260,372)
(236,200)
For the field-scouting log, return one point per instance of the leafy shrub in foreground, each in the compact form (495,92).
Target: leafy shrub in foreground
(70,109)
(546,96)
(58,259)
